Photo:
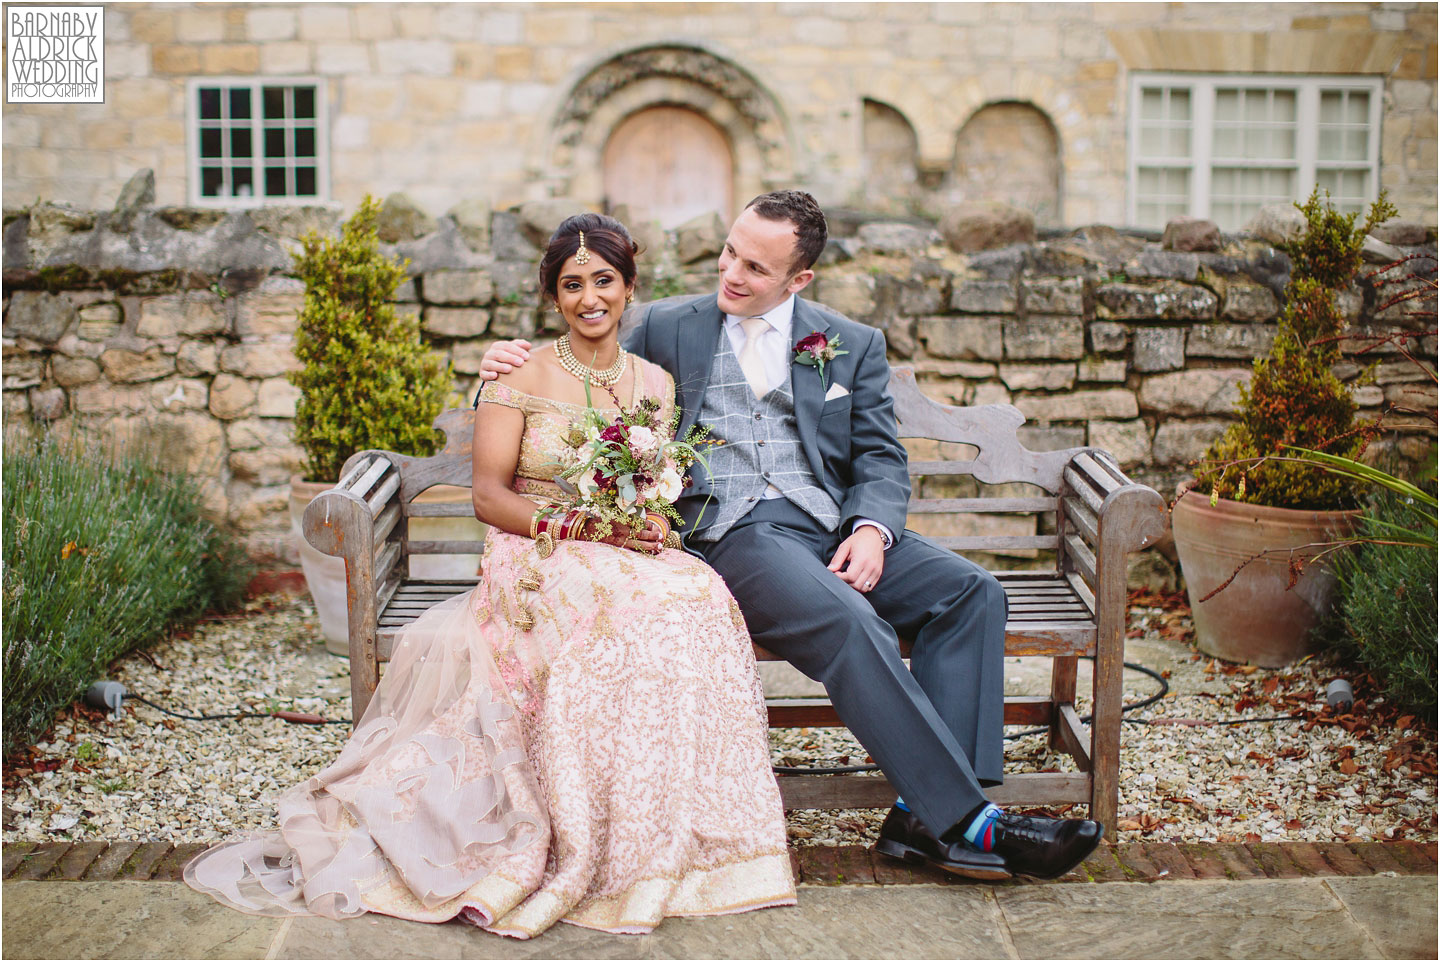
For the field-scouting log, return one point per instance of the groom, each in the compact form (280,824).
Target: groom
(803,514)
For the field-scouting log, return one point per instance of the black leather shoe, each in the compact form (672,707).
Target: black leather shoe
(1044,847)
(904,836)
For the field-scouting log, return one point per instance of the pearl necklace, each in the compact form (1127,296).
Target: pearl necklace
(583,372)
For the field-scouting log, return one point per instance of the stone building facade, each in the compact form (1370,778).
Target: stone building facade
(905,107)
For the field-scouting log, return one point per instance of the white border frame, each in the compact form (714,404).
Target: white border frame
(1202,92)
(322,141)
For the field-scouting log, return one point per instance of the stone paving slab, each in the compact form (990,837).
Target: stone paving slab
(126,920)
(1190,920)
(1365,917)
(1400,920)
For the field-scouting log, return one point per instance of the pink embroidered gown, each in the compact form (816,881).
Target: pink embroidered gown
(581,738)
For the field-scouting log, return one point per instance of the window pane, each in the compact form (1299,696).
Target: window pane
(1332,106)
(304,103)
(305,181)
(243,181)
(209,103)
(1357,109)
(1357,144)
(1329,146)
(1282,143)
(1227,105)
(274,143)
(241,145)
(210,142)
(275,181)
(1179,104)
(1152,103)
(1228,144)
(240,103)
(304,141)
(212,181)
(1284,107)
(274,103)
(1152,142)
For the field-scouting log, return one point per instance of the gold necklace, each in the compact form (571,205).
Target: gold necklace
(581,371)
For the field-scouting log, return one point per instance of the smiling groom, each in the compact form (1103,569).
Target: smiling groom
(803,514)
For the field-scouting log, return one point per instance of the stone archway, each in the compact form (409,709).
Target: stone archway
(891,156)
(668,76)
(1010,152)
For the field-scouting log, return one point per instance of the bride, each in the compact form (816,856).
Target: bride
(582,737)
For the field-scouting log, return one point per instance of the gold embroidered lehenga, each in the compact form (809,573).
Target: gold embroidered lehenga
(582,738)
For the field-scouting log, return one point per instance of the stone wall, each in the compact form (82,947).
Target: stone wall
(175,326)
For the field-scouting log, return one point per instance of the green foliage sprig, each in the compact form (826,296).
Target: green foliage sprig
(102,551)
(368,380)
(1294,399)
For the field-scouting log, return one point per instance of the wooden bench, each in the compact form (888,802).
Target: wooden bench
(1072,512)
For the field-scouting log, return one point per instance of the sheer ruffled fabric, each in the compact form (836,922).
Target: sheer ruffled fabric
(582,738)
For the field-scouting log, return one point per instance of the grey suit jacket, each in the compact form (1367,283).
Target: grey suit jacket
(849,441)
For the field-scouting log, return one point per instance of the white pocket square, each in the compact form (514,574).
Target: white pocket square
(836,390)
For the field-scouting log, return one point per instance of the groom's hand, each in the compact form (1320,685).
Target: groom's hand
(860,559)
(502,358)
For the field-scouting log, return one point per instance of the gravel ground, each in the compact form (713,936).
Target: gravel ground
(1364,776)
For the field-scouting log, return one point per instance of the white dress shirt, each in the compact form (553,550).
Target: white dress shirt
(776,351)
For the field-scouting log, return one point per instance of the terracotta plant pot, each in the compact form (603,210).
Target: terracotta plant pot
(325,574)
(1256,619)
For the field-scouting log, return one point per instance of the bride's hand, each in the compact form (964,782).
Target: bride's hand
(649,541)
(503,357)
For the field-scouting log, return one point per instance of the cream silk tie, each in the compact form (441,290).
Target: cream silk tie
(751,361)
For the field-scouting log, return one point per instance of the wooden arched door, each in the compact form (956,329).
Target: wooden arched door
(669,164)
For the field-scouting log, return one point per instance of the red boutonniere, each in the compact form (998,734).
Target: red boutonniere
(815,349)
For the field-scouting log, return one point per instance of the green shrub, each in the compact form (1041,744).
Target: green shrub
(102,553)
(1384,618)
(368,380)
(1294,399)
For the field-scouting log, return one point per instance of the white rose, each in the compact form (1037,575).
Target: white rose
(586,484)
(670,485)
(643,441)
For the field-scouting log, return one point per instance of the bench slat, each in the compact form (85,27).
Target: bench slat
(426,509)
(371,477)
(446,547)
(1082,557)
(385,524)
(1080,515)
(1026,710)
(1082,590)
(981,505)
(844,791)
(938,468)
(1082,487)
(986,542)
(386,559)
(1092,470)
(380,498)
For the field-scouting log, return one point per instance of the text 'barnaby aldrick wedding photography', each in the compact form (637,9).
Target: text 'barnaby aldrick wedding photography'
(55,54)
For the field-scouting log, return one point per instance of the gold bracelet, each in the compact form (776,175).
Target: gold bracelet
(544,544)
(535,523)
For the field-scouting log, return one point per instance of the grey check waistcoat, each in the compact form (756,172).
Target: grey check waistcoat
(762,447)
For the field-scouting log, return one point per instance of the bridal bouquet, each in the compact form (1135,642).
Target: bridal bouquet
(626,467)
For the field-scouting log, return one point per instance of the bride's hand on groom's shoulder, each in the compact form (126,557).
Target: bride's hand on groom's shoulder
(503,357)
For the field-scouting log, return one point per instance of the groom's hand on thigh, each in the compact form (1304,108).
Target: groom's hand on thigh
(860,559)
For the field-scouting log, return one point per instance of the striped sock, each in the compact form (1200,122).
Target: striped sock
(981,832)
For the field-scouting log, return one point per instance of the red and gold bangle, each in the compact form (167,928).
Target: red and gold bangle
(662,521)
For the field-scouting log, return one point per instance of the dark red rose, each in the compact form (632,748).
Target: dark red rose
(814,343)
(604,482)
(615,432)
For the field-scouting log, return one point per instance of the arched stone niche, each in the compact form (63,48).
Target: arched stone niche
(668,76)
(1009,151)
(891,155)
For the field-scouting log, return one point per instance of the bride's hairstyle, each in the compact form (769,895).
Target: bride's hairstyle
(604,236)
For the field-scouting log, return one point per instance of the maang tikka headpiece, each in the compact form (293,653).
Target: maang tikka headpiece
(582,256)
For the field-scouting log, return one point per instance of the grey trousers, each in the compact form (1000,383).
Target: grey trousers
(935,729)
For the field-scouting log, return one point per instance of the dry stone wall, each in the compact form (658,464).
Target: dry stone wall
(175,327)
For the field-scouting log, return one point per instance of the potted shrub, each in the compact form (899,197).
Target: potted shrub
(1245,543)
(367,381)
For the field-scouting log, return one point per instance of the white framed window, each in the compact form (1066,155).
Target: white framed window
(254,141)
(1223,146)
